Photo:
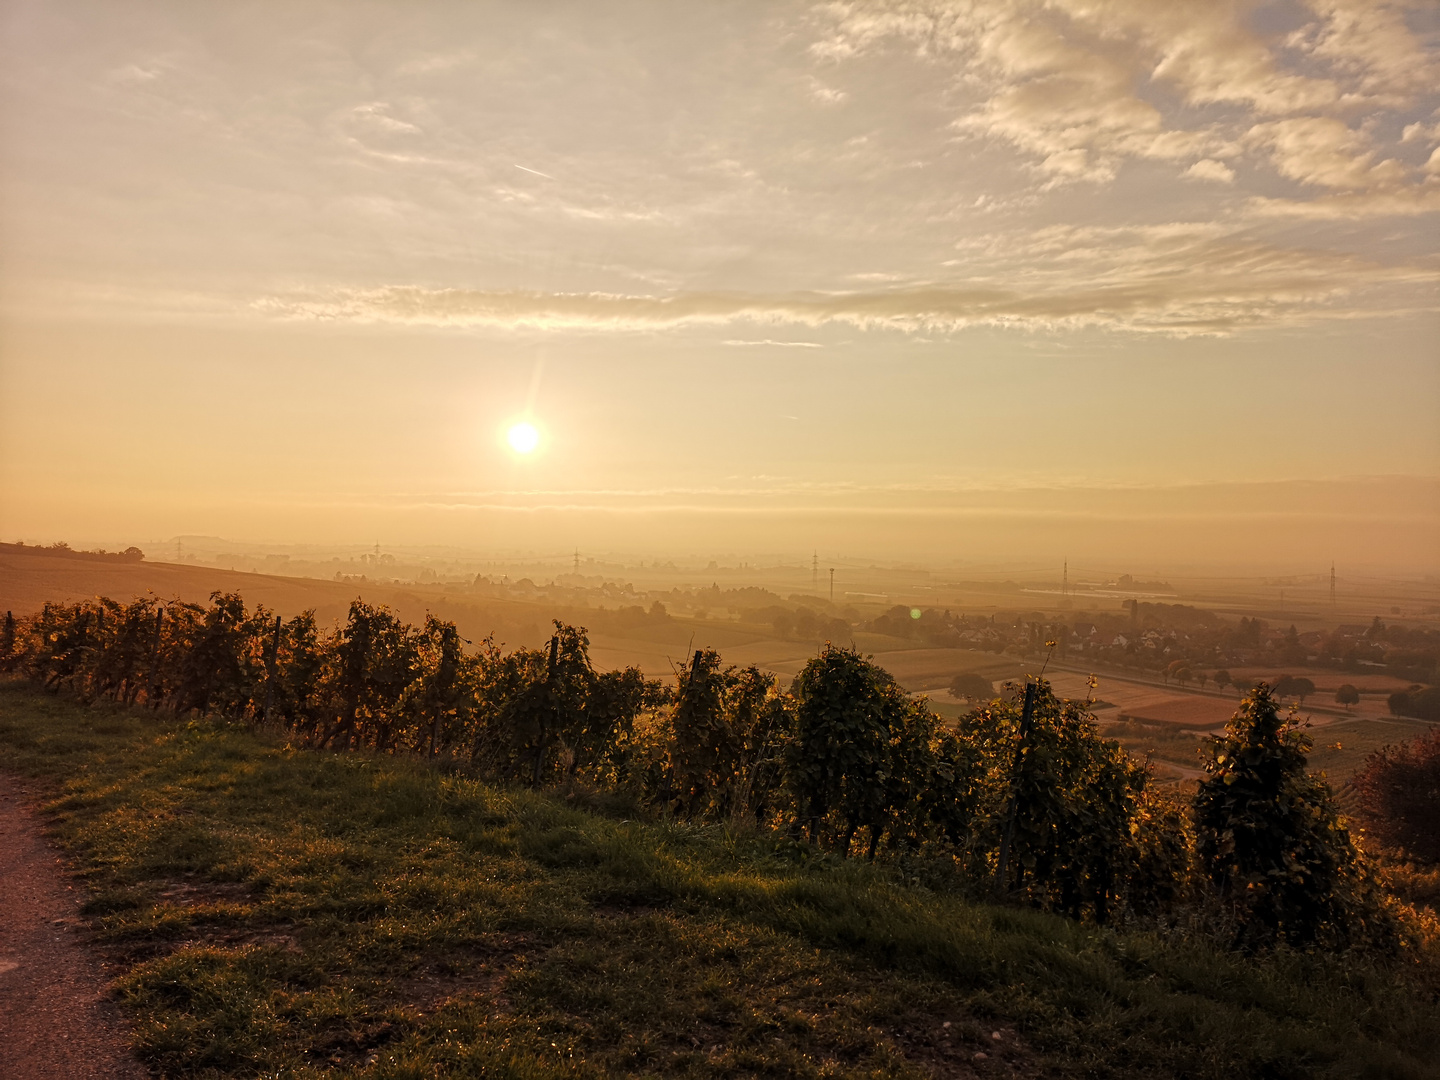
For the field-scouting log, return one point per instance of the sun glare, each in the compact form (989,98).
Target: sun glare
(523,438)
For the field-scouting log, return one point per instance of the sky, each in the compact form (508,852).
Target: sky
(1146,280)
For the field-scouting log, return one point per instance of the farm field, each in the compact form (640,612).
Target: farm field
(1342,747)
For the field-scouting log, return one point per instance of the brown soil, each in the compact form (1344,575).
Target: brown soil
(56,1022)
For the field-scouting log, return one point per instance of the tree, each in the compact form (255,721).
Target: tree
(972,687)
(1222,678)
(1290,651)
(1295,686)
(1398,796)
(1270,839)
(1421,702)
(1347,695)
(1183,676)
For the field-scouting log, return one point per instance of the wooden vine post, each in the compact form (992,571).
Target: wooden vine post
(272,664)
(548,711)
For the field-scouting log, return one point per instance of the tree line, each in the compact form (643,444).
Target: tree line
(1022,798)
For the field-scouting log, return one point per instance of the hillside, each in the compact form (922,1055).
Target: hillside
(283,911)
(30,579)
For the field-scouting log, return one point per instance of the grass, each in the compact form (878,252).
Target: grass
(287,913)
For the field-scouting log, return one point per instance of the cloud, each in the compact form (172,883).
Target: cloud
(828,95)
(1369,43)
(1357,206)
(377,115)
(1079,87)
(737,343)
(1178,280)
(1210,169)
(1325,152)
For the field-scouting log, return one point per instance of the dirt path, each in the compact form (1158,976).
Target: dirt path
(55,1022)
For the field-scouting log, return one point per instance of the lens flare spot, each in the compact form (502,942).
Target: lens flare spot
(523,438)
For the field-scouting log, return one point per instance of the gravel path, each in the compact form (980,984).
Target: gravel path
(55,1021)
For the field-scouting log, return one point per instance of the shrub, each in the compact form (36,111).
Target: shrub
(1398,796)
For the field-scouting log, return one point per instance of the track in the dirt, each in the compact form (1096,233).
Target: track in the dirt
(55,1020)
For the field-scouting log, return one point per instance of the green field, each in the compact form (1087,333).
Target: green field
(289,913)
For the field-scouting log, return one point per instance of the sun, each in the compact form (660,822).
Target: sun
(522,437)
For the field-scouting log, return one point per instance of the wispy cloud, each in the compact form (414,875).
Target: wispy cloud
(1179,280)
(771,343)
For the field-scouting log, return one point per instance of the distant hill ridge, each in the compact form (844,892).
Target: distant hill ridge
(65,551)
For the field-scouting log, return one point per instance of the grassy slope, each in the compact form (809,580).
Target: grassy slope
(289,912)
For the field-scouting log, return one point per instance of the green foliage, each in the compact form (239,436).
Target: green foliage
(849,713)
(551,714)
(1163,846)
(7,642)
(1074,796)
(216,660)
(376,658)
(705,748)
(727,732)
(1271,841)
